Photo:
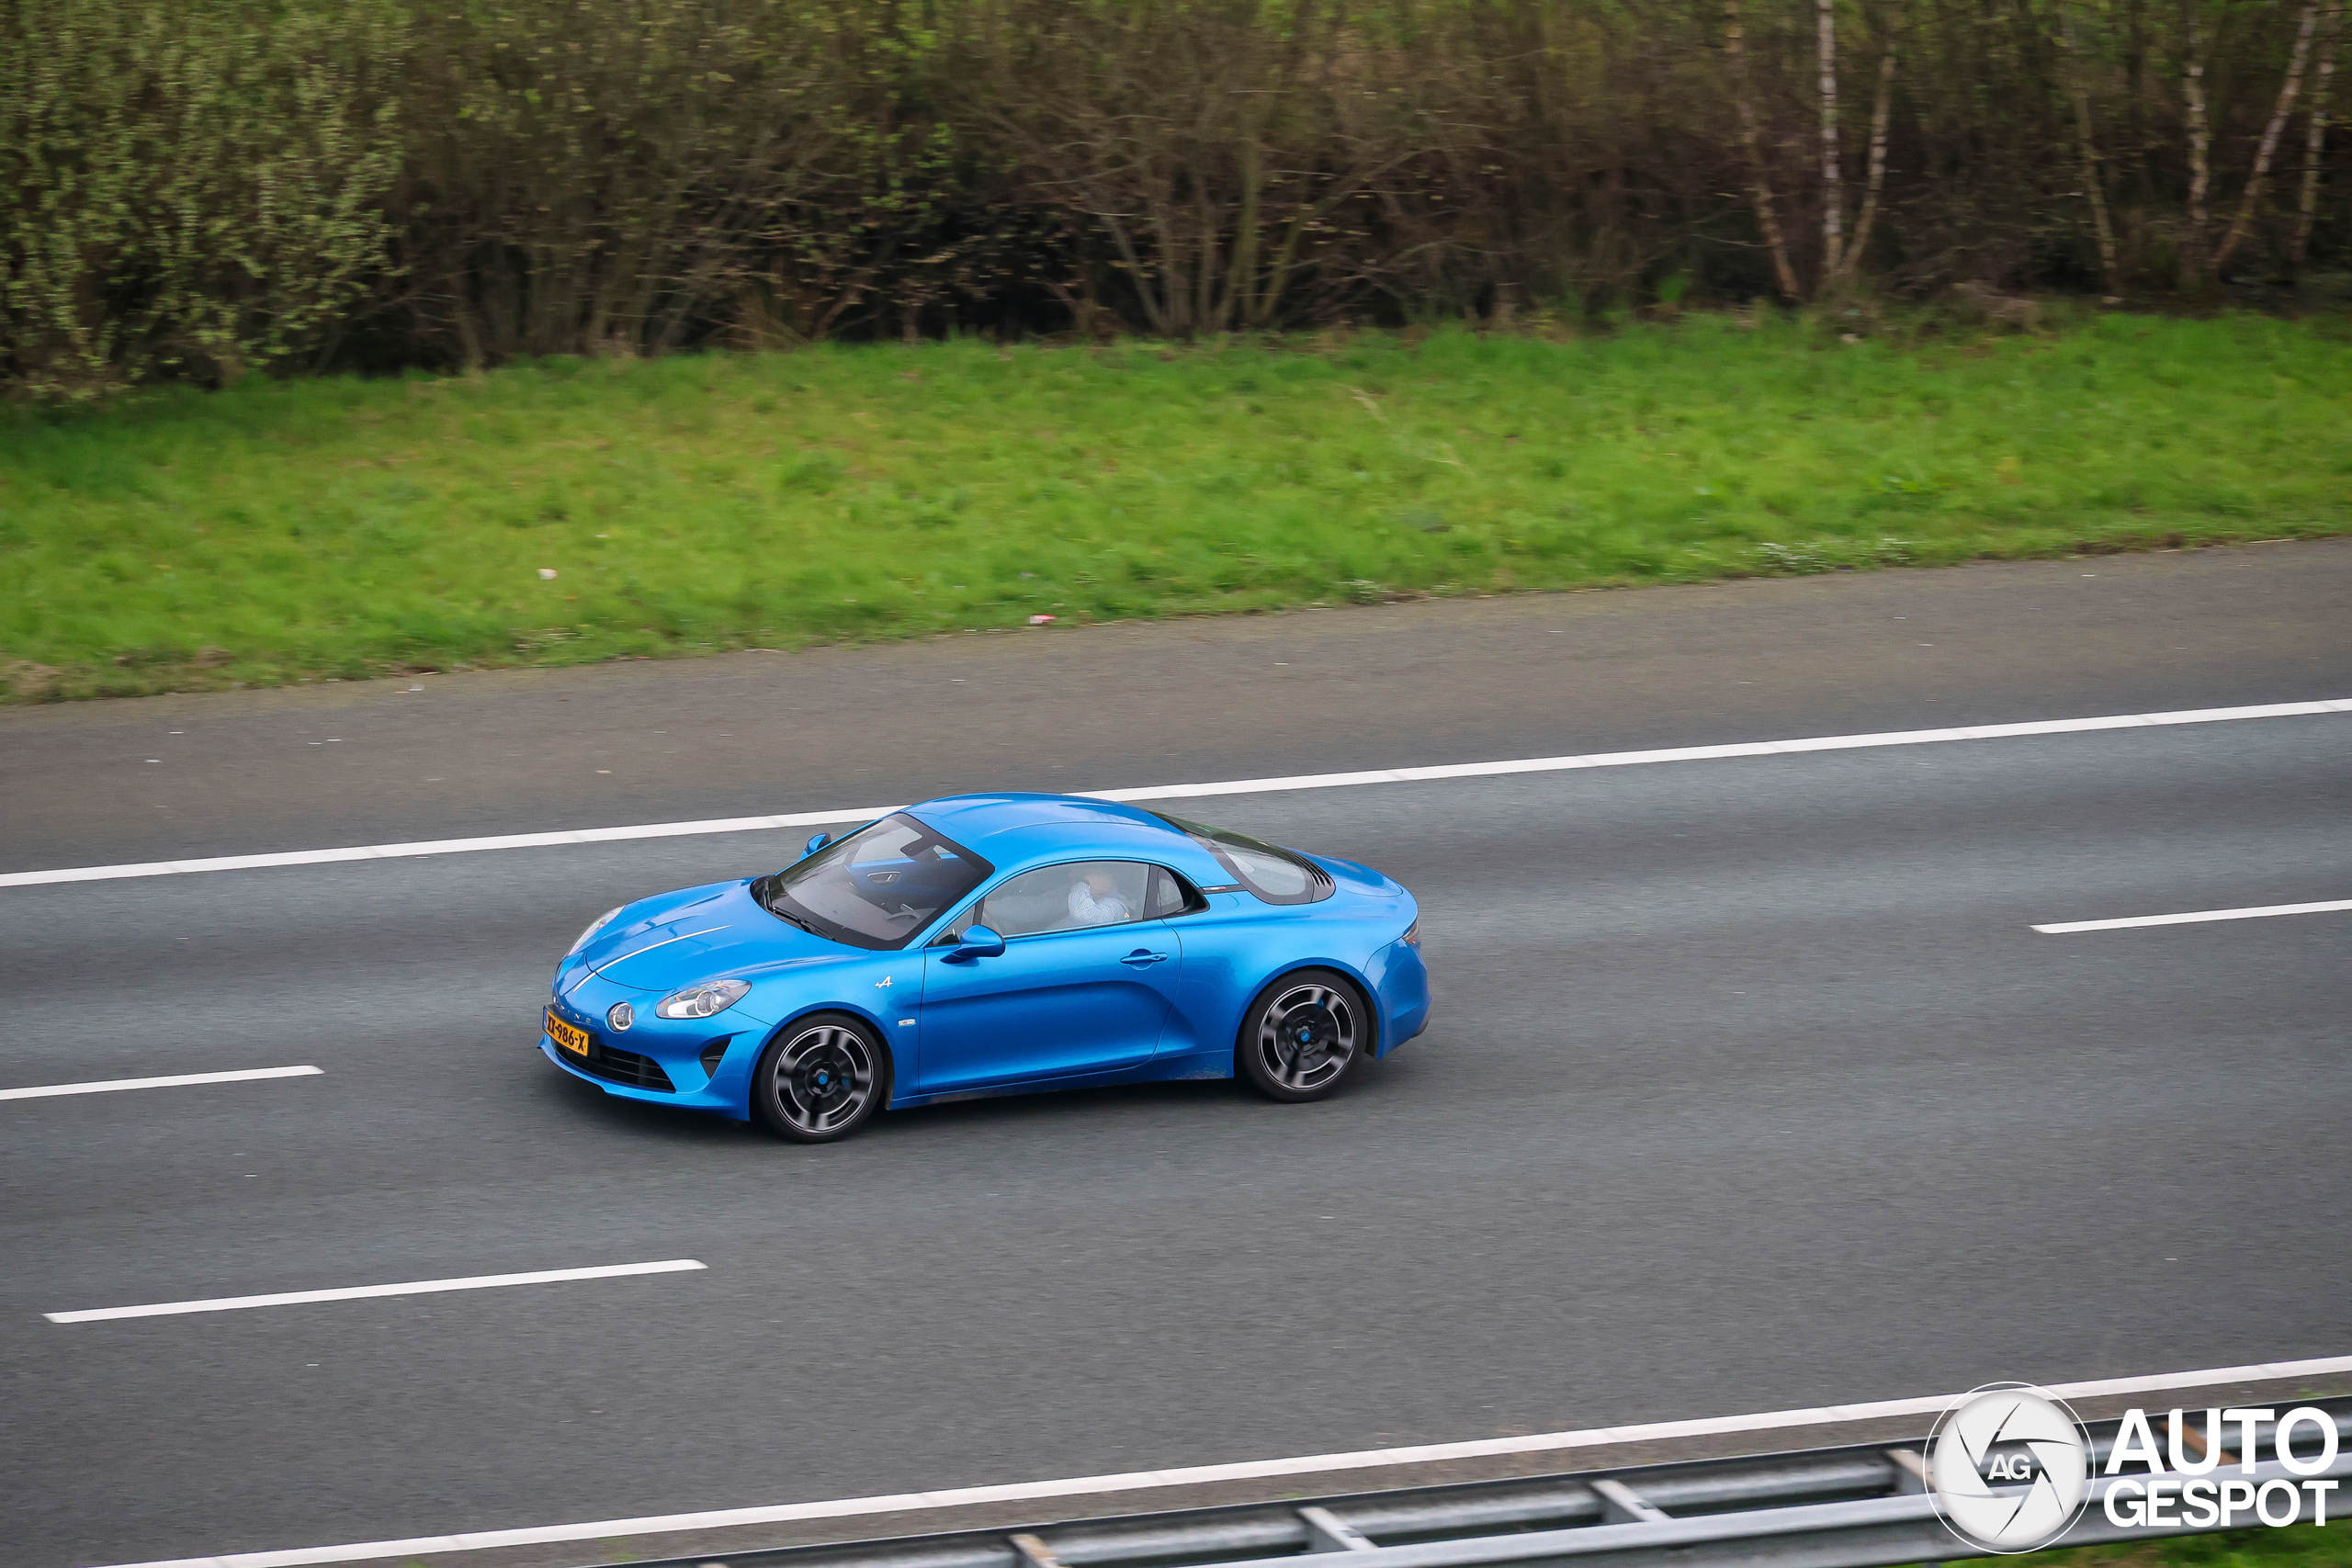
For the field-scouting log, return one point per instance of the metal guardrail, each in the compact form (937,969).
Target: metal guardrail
(1859,1506)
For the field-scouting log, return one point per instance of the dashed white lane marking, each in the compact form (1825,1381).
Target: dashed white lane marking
(1204,1474)
(359,1293)
(1191,791)
(174,1080)
(2333,906)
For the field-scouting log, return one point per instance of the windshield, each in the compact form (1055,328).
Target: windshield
(876,888)
(1276,875)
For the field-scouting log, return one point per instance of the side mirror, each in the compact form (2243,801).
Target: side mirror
(815,843)
(977,941)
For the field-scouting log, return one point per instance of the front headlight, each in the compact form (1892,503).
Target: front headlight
(599,923)
(701,1001)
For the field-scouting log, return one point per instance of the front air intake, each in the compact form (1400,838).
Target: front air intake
(622,1066)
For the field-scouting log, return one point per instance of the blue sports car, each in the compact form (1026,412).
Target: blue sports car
(993,944)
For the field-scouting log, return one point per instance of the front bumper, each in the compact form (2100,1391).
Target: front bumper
(658,1060)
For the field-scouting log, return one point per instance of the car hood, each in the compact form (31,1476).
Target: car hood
(677,939)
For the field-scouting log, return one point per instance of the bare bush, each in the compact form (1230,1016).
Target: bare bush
(192,188)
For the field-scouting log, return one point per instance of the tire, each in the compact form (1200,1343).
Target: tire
(820,1078)
(1303,1035)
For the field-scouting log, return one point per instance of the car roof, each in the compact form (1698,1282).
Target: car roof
(972,818)
(1014,830)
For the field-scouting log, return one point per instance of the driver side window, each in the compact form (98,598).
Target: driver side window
(1061,899)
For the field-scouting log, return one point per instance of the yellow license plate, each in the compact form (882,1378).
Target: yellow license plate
(573,1040)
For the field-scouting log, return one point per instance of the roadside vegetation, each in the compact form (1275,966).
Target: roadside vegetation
(566,510)
(2298,1546)
(197,188)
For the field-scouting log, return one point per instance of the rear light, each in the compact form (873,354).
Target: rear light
(1412,937)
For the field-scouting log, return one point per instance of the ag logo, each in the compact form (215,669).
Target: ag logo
(2008,1467)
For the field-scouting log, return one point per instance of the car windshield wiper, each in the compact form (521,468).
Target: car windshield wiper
(793,919)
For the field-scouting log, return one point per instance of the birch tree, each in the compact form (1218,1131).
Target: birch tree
(2269,143)
(1881,109)
(2200,133)
(2094,174)
(1751,138)
(1833,195)
(2315,134)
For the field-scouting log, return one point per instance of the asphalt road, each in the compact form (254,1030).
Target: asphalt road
(1749,1088)
(1237,697)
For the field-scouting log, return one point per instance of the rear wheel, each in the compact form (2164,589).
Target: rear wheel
(819,1080)
(1303,1035)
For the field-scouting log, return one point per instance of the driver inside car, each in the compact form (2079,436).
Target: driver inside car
(1093,901)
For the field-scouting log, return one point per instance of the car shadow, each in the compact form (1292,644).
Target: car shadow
(1162,1103)
(1168,1104)
(577,1101)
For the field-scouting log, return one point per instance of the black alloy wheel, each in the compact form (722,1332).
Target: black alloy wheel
(1303,1035)
(820,1078)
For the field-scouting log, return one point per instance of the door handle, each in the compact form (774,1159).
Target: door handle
(1142,958)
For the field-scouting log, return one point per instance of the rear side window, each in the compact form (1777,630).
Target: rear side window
(1275,874)
(1170,895)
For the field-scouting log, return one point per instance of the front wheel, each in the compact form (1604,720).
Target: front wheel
(1303,1035)
(819,1080)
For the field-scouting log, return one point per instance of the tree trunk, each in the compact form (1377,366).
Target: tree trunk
(1880,111)
(1241,289)
(2287,91)
(2313,138)
(2200,135)
(1175,293)
(2094,176)
(1760,190)
(2136,94)
(1107,215)
(1833,191)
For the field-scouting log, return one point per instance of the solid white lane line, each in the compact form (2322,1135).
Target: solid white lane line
(357,1292)
(1204,1474)
(443,847)
(174,1080)
(2333,906)
(1192,791)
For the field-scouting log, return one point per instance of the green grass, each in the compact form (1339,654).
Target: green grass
(2297,1546)
(338,528)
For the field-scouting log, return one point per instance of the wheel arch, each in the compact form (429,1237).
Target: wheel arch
(879,1027)
(1355,977)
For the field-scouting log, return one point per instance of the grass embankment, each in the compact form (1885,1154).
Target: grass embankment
(2298,1546)
(342,528)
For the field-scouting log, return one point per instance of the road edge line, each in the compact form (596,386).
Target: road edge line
(565,836)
